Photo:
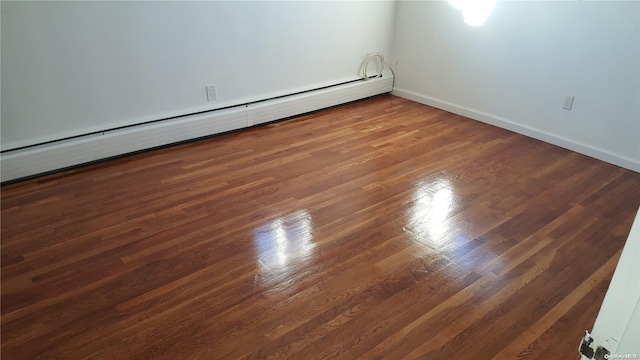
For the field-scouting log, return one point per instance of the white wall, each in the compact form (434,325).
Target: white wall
(515,69)
(69,68)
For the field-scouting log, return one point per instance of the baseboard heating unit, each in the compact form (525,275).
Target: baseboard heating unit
(52,156)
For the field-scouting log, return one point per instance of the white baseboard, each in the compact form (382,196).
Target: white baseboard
(34,160)
(491,119)
(284,107)
(62,154)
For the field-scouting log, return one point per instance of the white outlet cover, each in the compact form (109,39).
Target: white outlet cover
(211,92)
(568,102)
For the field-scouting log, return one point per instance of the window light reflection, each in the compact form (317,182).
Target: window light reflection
(284,241)
(430,210)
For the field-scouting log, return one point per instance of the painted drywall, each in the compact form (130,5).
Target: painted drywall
(514,70)
(70,68)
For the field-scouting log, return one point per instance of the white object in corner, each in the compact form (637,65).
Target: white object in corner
(62,154)
(619,315)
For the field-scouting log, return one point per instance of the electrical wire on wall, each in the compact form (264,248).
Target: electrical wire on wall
(378,59)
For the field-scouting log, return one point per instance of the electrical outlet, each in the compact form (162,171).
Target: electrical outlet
(568,102)
(211,92)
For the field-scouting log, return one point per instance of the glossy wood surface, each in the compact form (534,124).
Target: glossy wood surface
(383,229)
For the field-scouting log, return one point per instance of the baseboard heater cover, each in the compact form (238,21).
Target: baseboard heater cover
(35,160)
(284,107)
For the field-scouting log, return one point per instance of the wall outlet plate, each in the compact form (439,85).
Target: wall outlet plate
(568,102)
(211,92)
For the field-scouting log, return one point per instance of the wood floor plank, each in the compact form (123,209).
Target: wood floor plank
(378,229)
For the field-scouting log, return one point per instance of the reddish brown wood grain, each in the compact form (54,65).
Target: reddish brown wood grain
(379,229)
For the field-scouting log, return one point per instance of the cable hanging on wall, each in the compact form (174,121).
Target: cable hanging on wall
(376,58)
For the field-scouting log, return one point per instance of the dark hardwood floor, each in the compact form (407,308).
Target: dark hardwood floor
(383,229)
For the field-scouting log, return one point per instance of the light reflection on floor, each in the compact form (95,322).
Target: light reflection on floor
(284,243)
(430,224)
(432,203)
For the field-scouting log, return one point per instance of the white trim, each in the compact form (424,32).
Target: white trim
(621,300)
(58,155)
(118,123)
(34,160)
(491,119)
(281,108)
